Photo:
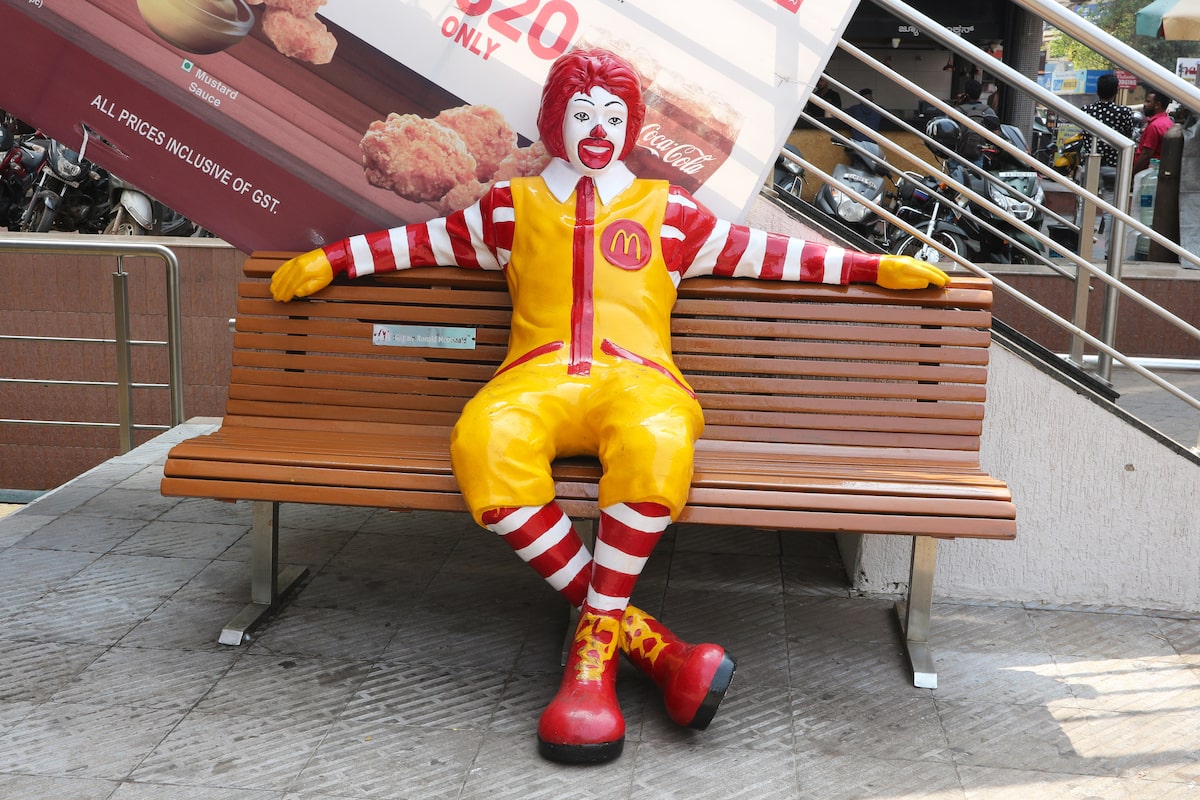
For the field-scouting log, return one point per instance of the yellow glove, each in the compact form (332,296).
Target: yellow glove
(906,272)
(301,276)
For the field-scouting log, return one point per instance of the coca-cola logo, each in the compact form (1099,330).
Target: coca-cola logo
(686,157)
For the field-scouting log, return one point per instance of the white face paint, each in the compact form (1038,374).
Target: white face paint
(594,130)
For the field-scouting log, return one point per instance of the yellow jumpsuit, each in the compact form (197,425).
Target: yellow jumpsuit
(589,369)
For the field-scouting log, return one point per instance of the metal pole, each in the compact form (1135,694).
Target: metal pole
(124,387)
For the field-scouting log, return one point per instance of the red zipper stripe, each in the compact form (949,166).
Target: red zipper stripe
(582,274)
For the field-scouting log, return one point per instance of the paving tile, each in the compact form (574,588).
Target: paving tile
(183,625)
(508,767)
(115,503)
(82,533)
(858,619)
(13,712)
(983,628)
(1157,745)
(15,527)
(64,499)
(329,632)
(199,509)
(458,639)
(726,539)
(821,663)
(27,575)
(1096,635)
(1141,685)
(876,724)
(999,783)
(234,751)
(388,590)
(67,739)
(726,572)
(427,696)
(1031,738)
(33,671)
(28,787)
(835,777)
(1002,676)
(153,791)
(176,539)
(390,762)
(683,770)
(285,687)
(128,676)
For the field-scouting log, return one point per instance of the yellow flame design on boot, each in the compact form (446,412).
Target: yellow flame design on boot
(596,641)
(693,677)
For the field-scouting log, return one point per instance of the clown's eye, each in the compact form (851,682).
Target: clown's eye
(582,116)
(615,120)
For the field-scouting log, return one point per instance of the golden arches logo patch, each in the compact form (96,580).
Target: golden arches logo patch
(626,244)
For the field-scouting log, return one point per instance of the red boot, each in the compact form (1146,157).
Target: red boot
(583,722)
(693,677)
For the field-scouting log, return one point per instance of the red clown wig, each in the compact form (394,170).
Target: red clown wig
(579,71)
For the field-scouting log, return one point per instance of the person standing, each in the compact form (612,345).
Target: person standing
(865,113)
(1158,122)
(1120,119)
(827,93)
(971,143)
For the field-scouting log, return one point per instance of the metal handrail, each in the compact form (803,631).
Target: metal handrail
(89,246)
(1110,276)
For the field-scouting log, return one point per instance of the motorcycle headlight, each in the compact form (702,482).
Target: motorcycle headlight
(1017,207)
(67,168)
(851,211)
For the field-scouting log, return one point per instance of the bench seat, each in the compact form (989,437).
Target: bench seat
(844,409)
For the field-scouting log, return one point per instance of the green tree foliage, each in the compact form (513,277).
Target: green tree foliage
(1119,18)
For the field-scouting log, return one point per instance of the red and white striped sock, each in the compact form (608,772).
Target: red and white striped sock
(544,538)
(627,535)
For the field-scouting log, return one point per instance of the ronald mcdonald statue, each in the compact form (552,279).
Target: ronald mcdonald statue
(593,256)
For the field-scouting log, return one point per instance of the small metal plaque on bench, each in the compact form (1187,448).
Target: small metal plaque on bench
(424,336)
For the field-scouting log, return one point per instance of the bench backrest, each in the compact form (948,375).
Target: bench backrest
(770,362)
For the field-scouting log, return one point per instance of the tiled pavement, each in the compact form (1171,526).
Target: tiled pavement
(416,659)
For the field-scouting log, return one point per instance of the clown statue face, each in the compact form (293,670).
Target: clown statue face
(594,130)
(591,111)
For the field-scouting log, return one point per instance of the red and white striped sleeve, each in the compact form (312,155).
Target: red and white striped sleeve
(477,237)
(695,242)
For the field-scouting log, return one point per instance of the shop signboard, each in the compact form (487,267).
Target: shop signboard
(285,124)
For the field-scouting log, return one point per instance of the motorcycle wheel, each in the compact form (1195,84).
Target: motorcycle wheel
(42,219)
(123,225)
(919,249)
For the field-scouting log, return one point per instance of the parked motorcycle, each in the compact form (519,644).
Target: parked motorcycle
(788,176)
(20,158)
(71,193)
(1069,158)
(922,201)
(135,213)
(1007,183)
(865,175)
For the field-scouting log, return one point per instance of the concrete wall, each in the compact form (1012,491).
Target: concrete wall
(1107,514)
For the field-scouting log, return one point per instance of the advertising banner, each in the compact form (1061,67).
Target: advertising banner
(285,124)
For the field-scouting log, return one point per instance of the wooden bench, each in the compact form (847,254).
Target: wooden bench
(848,409)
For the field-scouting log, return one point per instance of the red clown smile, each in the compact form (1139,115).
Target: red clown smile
(595,153)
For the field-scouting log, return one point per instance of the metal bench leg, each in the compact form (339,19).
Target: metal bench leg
(586,528)
(267,582)
(914,614)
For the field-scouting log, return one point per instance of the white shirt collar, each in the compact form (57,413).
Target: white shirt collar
(561,177)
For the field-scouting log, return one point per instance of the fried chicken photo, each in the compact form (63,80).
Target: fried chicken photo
(488,137)
(303,38)
(419,159)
